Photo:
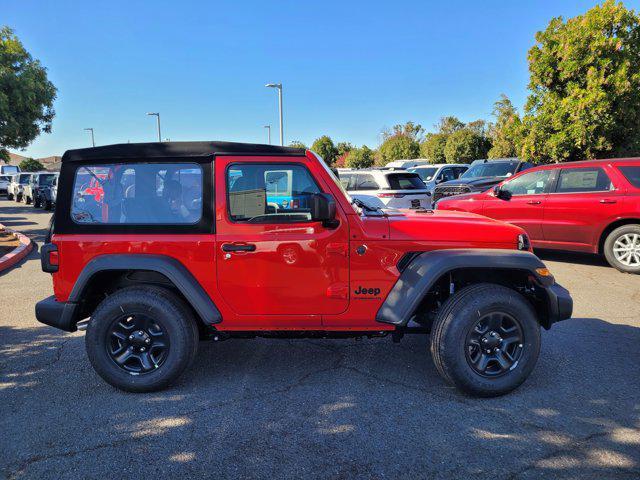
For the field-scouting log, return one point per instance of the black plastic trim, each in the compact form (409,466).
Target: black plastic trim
(60,315)
(167,266)
(426,268)
(44,258)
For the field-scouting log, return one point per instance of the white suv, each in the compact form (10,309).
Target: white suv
(386,188)
(5,180)
(434,174)
(16,187)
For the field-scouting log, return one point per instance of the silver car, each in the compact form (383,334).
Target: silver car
(434,174)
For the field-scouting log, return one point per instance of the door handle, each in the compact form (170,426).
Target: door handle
(607,200)
(534,202)
(237,247)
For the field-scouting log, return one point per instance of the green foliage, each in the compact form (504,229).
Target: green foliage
(507,133)
(31,165)
(448,125)
(465,145)
(433,147)
(343,147)
(585,87)
(414,131)
(297,144)
(324,147)
(399,147)
(26,95)
(360,158)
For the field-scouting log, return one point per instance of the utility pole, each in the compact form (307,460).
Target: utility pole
(268,127)
(278,86)
(93,140)
(157,114)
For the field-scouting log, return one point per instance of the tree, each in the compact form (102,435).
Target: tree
(31,165)
(26,95)
(585,87)
(412,130)
(343,147)
(360,158)
(507,133)
(448,125)
(297,144)
(324,147)
(433,147)
(399,147)
(464,146)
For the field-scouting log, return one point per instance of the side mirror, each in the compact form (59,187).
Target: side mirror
(323,209)
(501,194)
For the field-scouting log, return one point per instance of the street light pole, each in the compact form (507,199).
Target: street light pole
(268,127)
(93,141)
(157,114)
(279,87)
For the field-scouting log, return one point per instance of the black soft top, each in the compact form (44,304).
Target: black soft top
(137,151)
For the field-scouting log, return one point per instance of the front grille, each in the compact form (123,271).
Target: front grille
(448,191)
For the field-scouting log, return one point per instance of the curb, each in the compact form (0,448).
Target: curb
(18,253)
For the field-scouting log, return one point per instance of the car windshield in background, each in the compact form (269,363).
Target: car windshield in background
(405,181)
(46,180)
(5,178)
(24,178)
(490,170)
(425,174)
(632,174)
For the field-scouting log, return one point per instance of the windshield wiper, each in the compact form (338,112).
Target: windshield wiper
(359,203)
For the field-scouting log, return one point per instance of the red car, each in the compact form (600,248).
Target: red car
(591,206)
(191,240)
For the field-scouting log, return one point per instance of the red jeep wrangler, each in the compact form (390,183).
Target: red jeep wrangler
(224,240)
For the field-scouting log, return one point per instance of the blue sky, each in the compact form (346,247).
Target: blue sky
(348,68)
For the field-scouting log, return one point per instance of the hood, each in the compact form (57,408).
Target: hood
(478,183)
(451,228)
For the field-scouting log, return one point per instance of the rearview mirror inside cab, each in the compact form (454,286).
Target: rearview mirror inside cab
(323,209)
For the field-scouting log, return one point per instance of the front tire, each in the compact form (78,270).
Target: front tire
(140,339)
(622,248)
(485,340)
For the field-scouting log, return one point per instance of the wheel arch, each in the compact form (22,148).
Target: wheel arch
(107,273)
(611,227)
(427,279)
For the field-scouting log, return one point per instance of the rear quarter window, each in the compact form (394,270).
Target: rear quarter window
(137,194)
(632,174)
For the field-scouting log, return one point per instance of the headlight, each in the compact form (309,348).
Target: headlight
(523,242)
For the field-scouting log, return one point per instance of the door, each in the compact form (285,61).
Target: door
(582,200)
(272,259)
(526,206)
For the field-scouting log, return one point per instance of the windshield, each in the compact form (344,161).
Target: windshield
(426,174)
(490,169)
(24,179)
(5,178)
(47,179)
(336,181)
(10,169)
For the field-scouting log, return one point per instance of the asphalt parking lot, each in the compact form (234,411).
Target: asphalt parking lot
(325,408)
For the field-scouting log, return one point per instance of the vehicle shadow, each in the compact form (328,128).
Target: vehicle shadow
(325,408)
(572,257)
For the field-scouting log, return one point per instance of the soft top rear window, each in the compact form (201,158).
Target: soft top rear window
(632,174)
(405,181)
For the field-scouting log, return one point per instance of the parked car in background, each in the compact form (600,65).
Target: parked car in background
(481,176)
(591,206)
(434,174)
(9,169)
(41,181)
(47,194)
(30,189)
(5,180)
(16,187)
(386,188)
(404,164)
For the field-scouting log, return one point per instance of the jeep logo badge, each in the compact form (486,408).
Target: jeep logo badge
(367,291)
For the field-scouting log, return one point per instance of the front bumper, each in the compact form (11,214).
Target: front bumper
(56,314)
(559,304)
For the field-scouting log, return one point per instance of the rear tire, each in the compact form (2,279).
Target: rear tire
(37,203)
(463,335)
(622,248)
(47,205)
(140,339)
(9,196)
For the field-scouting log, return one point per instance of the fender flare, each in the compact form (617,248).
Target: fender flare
(171,268)
(419,276)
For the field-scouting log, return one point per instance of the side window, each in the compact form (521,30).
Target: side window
(270,193)
(532,183)
(448,174)
(576,180)
(138,194)
(459,171)
(345,179)
(365,181)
